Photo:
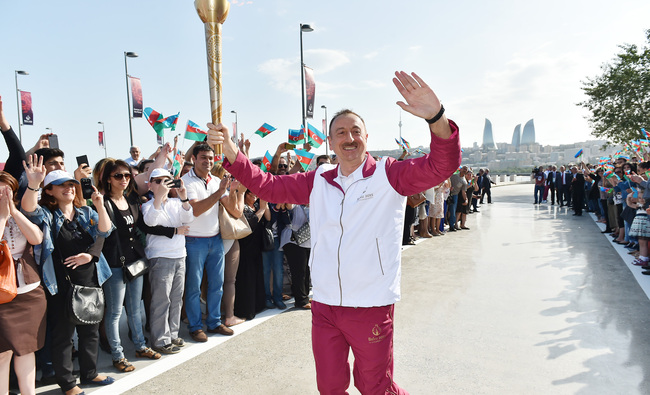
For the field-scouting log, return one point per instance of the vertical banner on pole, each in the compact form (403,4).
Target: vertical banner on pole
(325,127)
(26,104)
(234,133)
(100,139)
(136,95)
(310,90)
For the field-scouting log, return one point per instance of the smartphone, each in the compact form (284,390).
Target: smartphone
(82,159)
(53,140)
(87,188)
(174,183)
(289,146)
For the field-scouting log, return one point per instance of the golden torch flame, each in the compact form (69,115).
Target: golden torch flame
(213,13)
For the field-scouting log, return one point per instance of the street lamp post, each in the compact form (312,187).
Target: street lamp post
(20,118)
(303,28)
(235,134)
(103,138)
(325,126)
(128,97)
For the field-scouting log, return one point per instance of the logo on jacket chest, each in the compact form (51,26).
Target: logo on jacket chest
(365,196)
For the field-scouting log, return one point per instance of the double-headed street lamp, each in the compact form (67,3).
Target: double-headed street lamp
(303,28)
(103,138)
(128,97)
(20,116)
(325,126)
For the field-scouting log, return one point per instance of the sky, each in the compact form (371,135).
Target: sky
(508,61)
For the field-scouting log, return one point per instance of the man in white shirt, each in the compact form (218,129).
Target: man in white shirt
(134,159)
(204,245)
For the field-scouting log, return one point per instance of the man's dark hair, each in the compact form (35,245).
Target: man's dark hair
(201,147)
(143,164)
(48,153)
(320,157)
(345,111)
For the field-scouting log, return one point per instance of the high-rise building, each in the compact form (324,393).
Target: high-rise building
(488,140)
(516,136)
(528,136)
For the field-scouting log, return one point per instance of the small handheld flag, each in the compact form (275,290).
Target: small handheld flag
(304,158)
(646,134)
(406,143)
(266,162)
(155,120)
(314,136)
(264,130)
(296,136)
(171,121)
(578,154)
(192,132)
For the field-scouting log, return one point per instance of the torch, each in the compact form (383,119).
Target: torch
(213,14)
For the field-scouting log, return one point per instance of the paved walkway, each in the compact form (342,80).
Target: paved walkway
(531,300)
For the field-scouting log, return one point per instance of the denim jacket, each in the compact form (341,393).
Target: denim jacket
(51,223)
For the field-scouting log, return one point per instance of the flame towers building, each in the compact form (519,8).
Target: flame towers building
(488,140)
(516,136)
(528,136)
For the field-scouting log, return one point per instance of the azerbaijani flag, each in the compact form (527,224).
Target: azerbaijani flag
(171,121)
(264,130)
(401,145)
(192,132)
(296,136)
(304,158)
(605,189)
(578,154)
(314,136)
(646,134)
(155,120)
(176,164)
(266,161)
(406,143)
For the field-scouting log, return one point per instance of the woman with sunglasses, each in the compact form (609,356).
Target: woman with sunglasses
(23,319)
(70,253)
(121,248)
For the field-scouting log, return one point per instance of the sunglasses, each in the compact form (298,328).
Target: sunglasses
(120,176)
(282,166)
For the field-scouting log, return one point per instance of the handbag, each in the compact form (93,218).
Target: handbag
(232,228)
(133,269)
(85,304)
(303,233)
(268,241)
(8,287)
(416,200)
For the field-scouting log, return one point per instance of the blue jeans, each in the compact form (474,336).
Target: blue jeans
(452,211)
(539,190)
(272,261)
(116,292)
(203,253)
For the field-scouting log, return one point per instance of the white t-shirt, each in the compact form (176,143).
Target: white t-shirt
(206,224)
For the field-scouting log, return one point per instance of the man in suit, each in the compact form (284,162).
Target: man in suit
(486,184)
(550,182)
(567,178)
(559,186)
(479,184)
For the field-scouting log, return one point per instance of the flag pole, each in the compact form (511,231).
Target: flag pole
(213,14)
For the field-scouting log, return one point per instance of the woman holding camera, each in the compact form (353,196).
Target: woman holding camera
(70,254)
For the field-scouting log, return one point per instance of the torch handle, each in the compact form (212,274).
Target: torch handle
(213,47)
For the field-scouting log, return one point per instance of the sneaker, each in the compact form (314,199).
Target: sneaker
(147,353)
(269,304)
(199,336)
(280,304)
(168,349)
(178,342)
(640,262)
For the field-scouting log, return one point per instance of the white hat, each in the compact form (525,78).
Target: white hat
(58,177)
(158,172)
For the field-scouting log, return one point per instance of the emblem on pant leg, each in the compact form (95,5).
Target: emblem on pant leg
(377,336)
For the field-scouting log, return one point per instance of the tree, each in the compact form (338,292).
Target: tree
(619,98)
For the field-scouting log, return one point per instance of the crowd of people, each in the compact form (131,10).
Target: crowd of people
(138,212)
(615,190)
(444,208)
(192,244)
